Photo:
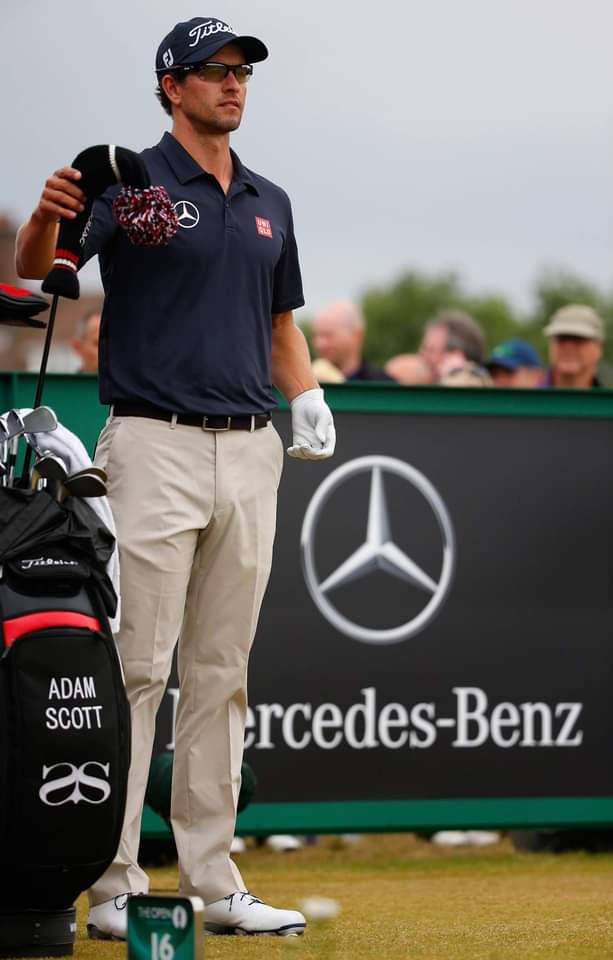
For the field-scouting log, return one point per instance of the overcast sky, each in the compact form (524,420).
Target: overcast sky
(466,134)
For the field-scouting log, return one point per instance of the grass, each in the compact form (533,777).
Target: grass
(403,898)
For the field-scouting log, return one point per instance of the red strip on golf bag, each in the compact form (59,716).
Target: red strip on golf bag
(31,622)
(64,734)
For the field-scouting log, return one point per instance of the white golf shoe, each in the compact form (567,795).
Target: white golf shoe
(109,920)
(240,913)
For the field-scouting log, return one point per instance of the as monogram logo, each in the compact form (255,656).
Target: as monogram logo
(75,777)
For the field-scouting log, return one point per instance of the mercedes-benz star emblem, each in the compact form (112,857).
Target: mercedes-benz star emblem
(187,213)
(378,552)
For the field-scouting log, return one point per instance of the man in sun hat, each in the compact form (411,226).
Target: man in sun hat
(575,334)
(193,336)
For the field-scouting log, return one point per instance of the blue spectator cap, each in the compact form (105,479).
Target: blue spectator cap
(198,39)
(513,354)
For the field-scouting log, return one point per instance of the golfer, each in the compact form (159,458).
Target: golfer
(193,336)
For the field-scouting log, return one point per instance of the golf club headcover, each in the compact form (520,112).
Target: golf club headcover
(18,307)
(144,212)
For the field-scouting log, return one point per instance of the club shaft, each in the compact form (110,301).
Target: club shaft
(46,349)
(40,384)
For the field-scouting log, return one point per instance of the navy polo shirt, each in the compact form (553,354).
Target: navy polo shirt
(187,327)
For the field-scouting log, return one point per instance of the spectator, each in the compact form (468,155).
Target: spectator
(452,339)
(409,368)
(338,336)
(469,375)
(85,344)
(575,334)
(515,363)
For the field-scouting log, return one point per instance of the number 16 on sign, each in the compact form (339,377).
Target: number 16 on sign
(162,947)
(165,927)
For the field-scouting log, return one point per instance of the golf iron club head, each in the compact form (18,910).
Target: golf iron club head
(4,449)
(40,420)
(96,471)
(15,427)
(85,484)
(51,467)
(14,424)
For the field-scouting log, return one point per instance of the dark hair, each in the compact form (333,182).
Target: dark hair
(463,333)
(179,76)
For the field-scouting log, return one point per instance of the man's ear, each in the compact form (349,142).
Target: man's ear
(169,85)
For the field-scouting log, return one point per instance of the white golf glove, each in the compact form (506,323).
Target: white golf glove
(313,430)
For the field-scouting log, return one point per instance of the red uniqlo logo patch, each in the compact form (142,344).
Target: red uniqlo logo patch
(263,227)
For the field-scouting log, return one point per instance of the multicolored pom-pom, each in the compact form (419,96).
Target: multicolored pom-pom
(147,216)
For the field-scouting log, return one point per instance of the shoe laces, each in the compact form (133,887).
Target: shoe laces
(242,894)
(125,897)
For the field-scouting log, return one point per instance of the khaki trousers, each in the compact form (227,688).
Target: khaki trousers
(195,514)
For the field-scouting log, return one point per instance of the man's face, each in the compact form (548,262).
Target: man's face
(520,377)
(574,358)
(433,347)
(214,107)
(334,339)
(87,345)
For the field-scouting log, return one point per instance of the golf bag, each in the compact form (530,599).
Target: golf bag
(64,715)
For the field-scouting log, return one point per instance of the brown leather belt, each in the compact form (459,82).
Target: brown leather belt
(215,422)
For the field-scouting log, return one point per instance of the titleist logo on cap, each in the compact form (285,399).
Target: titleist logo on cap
(207,29)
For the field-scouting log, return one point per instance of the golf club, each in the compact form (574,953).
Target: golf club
(40,383)
(98,471)
(85,484)
(16,427)
(41,420)
(3,449)
(51,467)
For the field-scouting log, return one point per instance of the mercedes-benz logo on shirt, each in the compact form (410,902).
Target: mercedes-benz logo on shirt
(187,213)
(378,550)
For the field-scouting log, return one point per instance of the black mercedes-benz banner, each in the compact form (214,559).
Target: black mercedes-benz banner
(439,617)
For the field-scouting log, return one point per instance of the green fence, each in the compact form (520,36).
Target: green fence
(75,400)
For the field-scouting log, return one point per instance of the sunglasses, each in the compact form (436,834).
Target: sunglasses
(215,72)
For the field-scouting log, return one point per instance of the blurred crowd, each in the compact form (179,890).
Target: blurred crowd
(452,351)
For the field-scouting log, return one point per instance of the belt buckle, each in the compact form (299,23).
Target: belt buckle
(216,429)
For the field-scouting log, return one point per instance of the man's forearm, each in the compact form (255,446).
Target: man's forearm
(35,248)
(291,364)
(36,239)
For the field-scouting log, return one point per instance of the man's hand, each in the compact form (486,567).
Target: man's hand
(313,430)
(61,196)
